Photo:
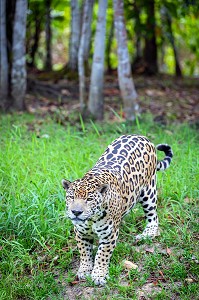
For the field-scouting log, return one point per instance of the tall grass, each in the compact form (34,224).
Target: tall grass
(35,155)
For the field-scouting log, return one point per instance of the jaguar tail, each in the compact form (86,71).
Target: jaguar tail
(164,164)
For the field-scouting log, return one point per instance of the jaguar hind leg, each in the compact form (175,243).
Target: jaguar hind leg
(148,199)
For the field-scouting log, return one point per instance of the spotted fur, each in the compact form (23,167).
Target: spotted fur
(124,175)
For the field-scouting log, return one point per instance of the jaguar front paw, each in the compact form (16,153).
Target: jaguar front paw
(83,272)
(99,277)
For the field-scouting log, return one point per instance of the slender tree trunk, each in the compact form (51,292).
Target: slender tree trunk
(88,32)
(18,73)
(48,62)
(167,20)
(3,56)
(150,51)
(96,99)
(138,31)
(138,58)
(86,25)
(75,34)
(177,62)
(126,83)
(36,37)
(109,44)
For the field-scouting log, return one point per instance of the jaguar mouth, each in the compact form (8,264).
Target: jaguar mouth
(77,220)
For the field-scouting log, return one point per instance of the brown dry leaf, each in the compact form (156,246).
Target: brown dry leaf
(168,251)
(129,265)
(161,273)
(163,278)
(65,248)
(150,250)
(77,281)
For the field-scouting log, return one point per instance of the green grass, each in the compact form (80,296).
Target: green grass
(38,253)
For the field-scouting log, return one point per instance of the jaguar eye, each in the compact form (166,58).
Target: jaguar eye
(89,199)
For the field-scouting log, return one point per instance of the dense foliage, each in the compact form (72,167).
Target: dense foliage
(183,30)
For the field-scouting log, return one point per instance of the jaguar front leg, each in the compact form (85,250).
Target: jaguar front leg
(85,247)
(102,258)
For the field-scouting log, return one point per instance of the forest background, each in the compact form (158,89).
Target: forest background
(46,46)
(74,75)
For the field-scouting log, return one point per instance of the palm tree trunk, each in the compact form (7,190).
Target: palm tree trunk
(18,73)
(126,83)
(96,99)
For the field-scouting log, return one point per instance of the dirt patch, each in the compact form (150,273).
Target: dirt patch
(148,291)
(81,292)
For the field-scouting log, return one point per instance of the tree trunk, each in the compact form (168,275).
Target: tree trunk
(36,37)
(10,15)
(18,73)
(108,46)
(86,25)
(126,84)
(48,62)
(88,32)
(138,63)
(167,20)
(96,99)
(75,35)
(3,56)
(150,50)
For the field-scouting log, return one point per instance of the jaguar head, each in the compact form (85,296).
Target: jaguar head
(84,201)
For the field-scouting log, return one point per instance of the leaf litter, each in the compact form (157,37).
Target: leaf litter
(167,98)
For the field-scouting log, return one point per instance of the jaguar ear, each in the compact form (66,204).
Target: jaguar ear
(103,188)
(65,184)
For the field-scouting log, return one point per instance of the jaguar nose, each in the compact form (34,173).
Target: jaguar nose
(77,212)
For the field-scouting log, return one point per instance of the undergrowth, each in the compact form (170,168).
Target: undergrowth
(38,254)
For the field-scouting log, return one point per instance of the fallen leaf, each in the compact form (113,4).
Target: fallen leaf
(163,278)
(77,281)
(150,250)
(129,265)
(65,248)
(189,280)
(55,259)
(168,250)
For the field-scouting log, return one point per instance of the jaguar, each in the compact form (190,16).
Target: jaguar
(124,175)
